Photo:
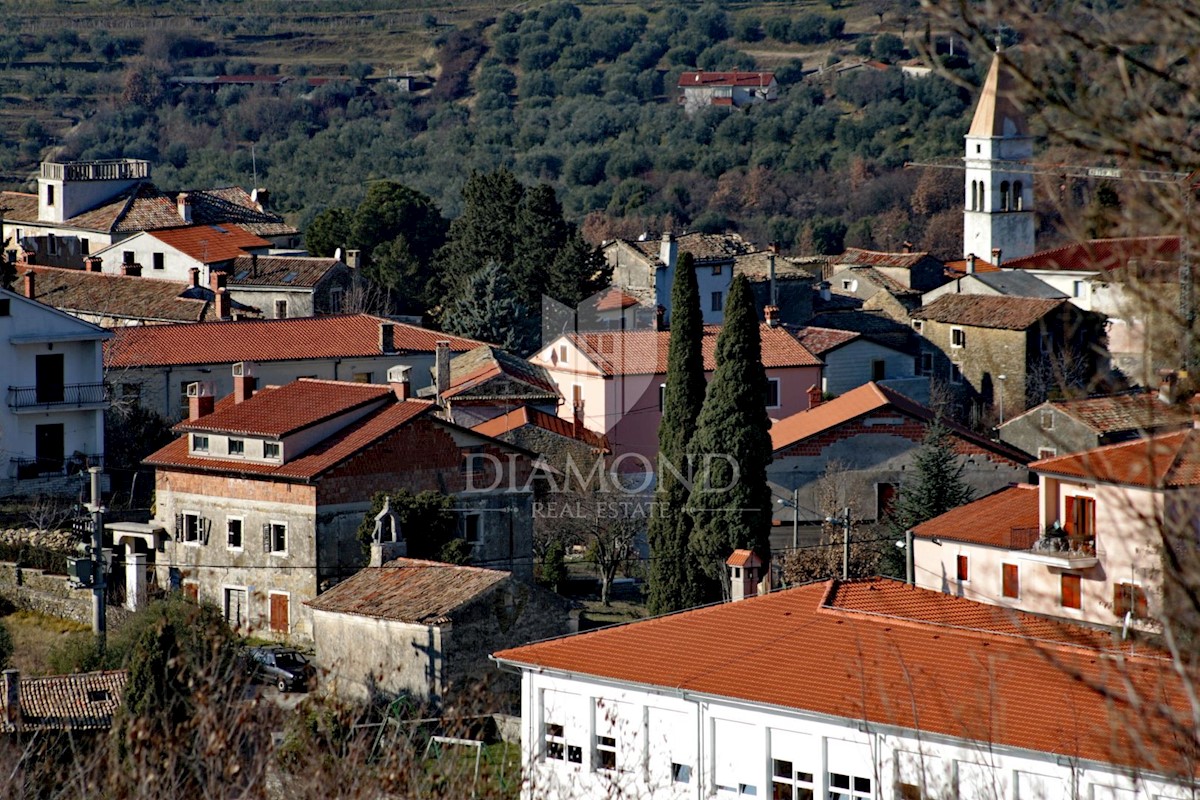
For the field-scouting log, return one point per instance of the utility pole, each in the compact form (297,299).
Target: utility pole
(846,543)
(795,518)
(98,579)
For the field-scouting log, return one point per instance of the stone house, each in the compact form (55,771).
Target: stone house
(1085,544)
(155,364)
(262,495)
(425,629)
(849,689)
(487,382)
(1006,354)
(997,282)
(871,436)
(1070,426)
(889,282)
(289,286)
(78,704)
(735,89)
(553,438)
(100,203)
(52,423)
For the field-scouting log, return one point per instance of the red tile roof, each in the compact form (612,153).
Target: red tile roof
(692,79)
(743,558)
(989,520)
(1119,413)
(527,415)
(988,311)
(283,410)
(84,701)
(820,341)
(322,457)
(295,339)
(644,352)
(891,654)
(613,299)
(287,271)
(956,269)
(1163,461)
(126,297)
(863,400)
(1100,254)
(209,244)
(409,590)
(855,256)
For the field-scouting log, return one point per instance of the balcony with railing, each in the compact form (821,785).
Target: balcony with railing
(1056,548)
(118,169)
(57,397)
(24,469)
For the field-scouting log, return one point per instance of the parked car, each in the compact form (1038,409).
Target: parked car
(286,668)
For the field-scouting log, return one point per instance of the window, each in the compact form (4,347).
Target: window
(716,270)
(1004,195)
(606,752)
(718,301)
(183,396)
(848,285)
(280,617)
(956,375)
(127,257)
(472,528)
(925,367)
(270,449)
(1045,342)
(681,773)
(772,393)
(885,499)
(157,261)
(554,742)
(191,528)
(1047,420)
(233,533)
(335,300)
(131,392)
(5,307)
(50,195)
(281,309)
(85,247)
(237,447)
(1047,452)
(844,787)
(963,573)
(1080,516)
(662,396)
(1128,597)
(878,369)
(275,538)
(52,244)
(1070,590)
(237,611)
(917,325)
(1011,579)
(974,195)
(1018,197)
(787,783)
(362,377)
(958,337)
(199,443)
(562,352)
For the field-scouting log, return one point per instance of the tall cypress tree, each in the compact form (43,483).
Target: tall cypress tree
(671,585)
(730,501)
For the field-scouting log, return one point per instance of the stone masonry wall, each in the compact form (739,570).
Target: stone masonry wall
(35,590)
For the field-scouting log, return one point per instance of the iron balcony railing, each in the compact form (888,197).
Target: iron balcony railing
(122,169)
(30,468)
(48,396)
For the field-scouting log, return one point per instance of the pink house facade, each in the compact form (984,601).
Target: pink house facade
(615,380)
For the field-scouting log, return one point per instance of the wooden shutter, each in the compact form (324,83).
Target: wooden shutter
(192,590)
(1070,591)
(205,529)
(179,527)
(1011,578)
(1069,517)
(267,538)
(963,574)
(279,613)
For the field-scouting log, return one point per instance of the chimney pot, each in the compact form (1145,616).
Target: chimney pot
(184,204)
(260,197)
(441,364)
(93,264)
(353,259)
(200,400)
(12,697)
(244,381)
(971,264)
(907,247)
(826,294)
(996,256)
(30,284)
(132,270)
(399,380)
(814,396)
(224,304)
(194,274)
(218,280)
(772,315)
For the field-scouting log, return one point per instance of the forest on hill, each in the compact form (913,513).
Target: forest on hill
(579,97)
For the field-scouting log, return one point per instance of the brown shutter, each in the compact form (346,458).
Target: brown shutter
(1011,576)
(279,613)
(1069,517)
(1070,591)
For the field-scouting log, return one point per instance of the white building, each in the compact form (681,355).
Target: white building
(999,188)
(173,254)
(869,689)
(52,424)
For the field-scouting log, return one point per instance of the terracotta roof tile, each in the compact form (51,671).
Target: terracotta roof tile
(644,352)
(988,311)
(1120,413)
(321,457)
(209,244)
(84,701)
(863,400)
(1165,460)
(613,299)
(497,427)
(472,375)
(409,590)
(857,257)
(299,338)
(891,654)
(990,520)
(289,271)
(692,79)
(233,204)
(820,341)
(1100,254)
(126,297)
(283,410)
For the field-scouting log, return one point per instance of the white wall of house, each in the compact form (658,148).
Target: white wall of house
(74,412)
(365,654)
(852,365)
(149,251)
(672,744)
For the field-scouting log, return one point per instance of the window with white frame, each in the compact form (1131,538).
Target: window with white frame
(472,528)
(233,533)
(958,337)
(237,447)
(735,760)
(237,609)
(191,528)
(791,776)
(670,752)
(555,741)
(564,717)
(772,398)
(845,787)
(926,365)
(275,536)
(917,325)
(271,450)
(615,734)
(199,443)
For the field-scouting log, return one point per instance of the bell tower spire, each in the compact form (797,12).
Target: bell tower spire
(999,189)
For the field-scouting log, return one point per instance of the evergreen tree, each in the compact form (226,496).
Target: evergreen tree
(328,231)
(671,585)
(392,210)
(577,271)
(730,501)
(488,308)
(937,485)
(485,231)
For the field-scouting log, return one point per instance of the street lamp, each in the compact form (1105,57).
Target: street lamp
(1002,379)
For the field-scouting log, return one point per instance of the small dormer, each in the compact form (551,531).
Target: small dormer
(745,574)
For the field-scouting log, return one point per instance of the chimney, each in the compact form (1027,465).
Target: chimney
(224,304)
(337,254)
(814,396)
(194,274)
(260,197)
(906,247)
(1168,386)
(30,284)
(243,381)
(92,264)
(353,259)
(774,248)
(387,337)
(398,379)
(772,315)
(668,250)
(200,400)
(132,270)
(771,274)
(441,365)
(970,263)
(218,280)
(744,568)
(254,264)
(184,204)
(996,256)
(12,697)
(823,288)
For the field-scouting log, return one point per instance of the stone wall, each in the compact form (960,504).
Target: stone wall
(35,590)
